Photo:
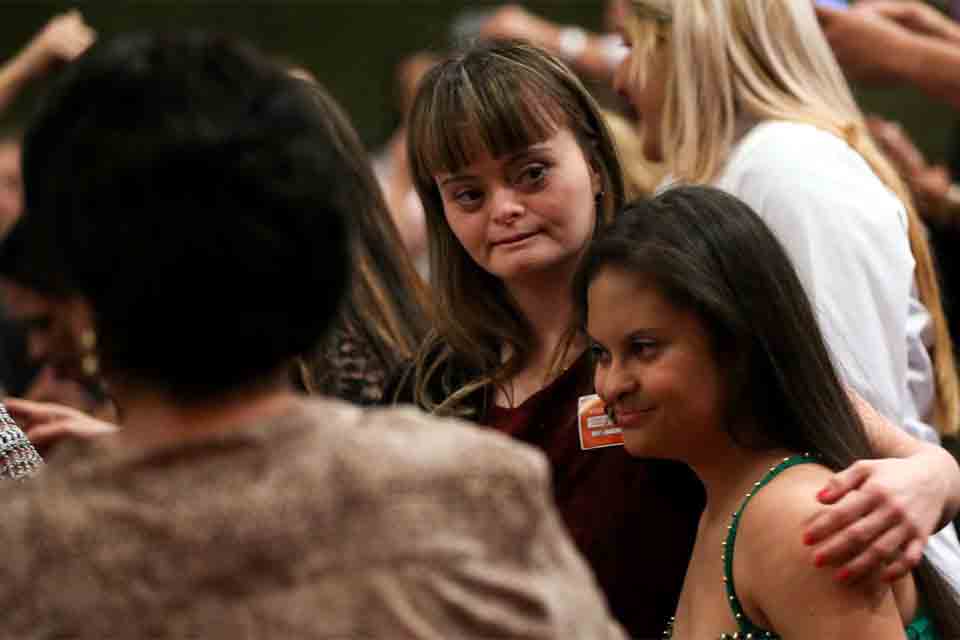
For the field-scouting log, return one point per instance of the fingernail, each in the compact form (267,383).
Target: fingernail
(819,560)
(808,539)
(823,495)
(842,575)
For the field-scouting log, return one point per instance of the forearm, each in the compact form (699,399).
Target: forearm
(931,64)
(939,464)
(16,73)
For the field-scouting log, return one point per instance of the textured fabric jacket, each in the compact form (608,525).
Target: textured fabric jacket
(330,522)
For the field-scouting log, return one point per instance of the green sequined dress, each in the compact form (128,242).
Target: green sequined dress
(920,629)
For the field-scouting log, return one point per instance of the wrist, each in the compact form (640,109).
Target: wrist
(947,473)
(32,60)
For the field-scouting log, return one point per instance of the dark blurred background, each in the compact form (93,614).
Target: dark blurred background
(353,46)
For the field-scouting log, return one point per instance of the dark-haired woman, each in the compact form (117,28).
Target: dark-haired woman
(679,292)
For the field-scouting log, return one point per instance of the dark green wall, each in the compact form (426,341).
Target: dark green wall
(353,45)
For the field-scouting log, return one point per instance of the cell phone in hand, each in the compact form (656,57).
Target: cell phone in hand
(833,4)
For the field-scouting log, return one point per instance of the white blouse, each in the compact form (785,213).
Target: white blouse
(846,234)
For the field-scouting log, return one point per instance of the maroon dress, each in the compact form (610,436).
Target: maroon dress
(634,520)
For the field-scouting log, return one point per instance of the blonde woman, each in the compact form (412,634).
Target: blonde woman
(784,133)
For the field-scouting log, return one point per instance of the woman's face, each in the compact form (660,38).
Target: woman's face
(526,214)
(647,100)
(655,368)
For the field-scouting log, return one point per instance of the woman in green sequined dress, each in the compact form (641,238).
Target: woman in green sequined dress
(708,351)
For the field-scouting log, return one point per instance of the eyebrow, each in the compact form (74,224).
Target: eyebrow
(511,159)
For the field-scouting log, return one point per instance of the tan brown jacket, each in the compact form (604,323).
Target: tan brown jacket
(331,522)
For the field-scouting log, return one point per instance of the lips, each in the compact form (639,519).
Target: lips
(514,239)
(625,418)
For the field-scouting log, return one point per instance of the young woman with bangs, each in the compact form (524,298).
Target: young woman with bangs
(516,171)
(785,135)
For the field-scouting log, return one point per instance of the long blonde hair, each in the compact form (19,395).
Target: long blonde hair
(499,97)
(770,60)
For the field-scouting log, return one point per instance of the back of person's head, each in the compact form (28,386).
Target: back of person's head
(769,60)
(494,97)
(756,59)
(708,252)
(182,184)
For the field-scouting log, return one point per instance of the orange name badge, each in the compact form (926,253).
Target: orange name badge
(595,427)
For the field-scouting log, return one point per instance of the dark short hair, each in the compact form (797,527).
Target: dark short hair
(180,184)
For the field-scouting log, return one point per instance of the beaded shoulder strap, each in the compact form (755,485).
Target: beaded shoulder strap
(743,621)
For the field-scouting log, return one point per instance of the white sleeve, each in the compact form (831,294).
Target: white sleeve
(851,252)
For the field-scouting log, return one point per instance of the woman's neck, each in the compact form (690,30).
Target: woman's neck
(151,420)
(728,471)
(549,309)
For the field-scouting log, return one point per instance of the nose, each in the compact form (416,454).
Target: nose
(613,383)
(507,206)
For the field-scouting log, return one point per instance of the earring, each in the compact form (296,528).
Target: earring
(89,363)
(599,196)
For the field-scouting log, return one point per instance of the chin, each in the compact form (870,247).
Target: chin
(639,445)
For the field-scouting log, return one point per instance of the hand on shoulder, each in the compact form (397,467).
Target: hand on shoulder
(777,577)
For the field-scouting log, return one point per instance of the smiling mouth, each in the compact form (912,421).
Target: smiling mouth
(626,417)
(520,237)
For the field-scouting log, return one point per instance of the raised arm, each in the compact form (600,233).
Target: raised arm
(62,39)
(875,44)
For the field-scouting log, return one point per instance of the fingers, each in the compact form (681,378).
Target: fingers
(899,147)
(867,546)
(908,560)
(843,482)
(47,433)
(30,412)
(834,521)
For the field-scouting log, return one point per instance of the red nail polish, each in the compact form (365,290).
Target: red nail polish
(843,574)
(818,560)
(808,539)
(824,494)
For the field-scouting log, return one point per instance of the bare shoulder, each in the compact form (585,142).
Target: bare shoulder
(784,506)
(778,581)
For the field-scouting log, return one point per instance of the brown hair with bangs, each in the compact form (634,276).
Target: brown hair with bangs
(499,97)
